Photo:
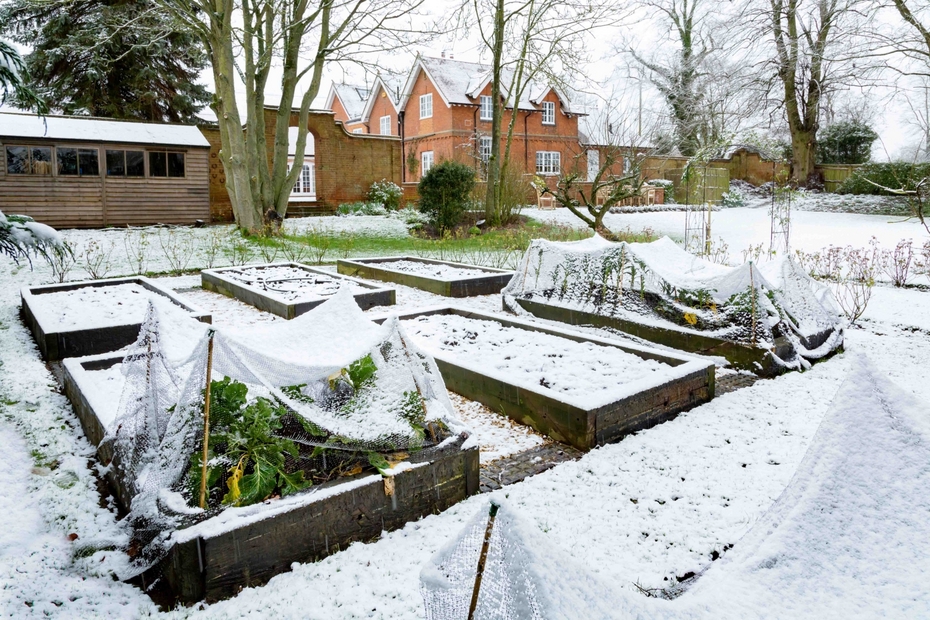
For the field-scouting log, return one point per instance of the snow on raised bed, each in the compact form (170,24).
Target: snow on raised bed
(94,306)
(582,371)
(439,271)
(291,283)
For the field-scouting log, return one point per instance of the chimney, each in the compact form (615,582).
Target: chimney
(443,53)
(451,56)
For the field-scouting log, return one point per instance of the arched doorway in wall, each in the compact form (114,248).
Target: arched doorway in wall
(305,189)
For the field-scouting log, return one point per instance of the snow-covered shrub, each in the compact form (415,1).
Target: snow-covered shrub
(411,217)
(733,198)
(925,259)
(22,237)
(871,178)
(96,258)
(212,246)
(294,251)
(853,290)
(361,208)
(137,250)
(386,194)
(897,263)
(178,245)
(237,249)
(62,260)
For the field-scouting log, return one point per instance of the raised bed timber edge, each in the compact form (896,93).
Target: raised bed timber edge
(754,359)
(215,280)
(487,281)
(689,383)
(56,345)
(216,558)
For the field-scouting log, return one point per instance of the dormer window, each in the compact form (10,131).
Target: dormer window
(548,113)
(426,106)
(487,108)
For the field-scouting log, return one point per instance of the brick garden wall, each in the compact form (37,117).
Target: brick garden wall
(346,164)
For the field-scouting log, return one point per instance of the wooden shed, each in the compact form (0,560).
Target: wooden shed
(83,172)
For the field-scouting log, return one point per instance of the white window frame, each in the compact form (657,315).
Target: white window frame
(484,148)
(426,162)
(548,113)
(487,108)
(385,122)
(548,162)
(426,105)
(306,180)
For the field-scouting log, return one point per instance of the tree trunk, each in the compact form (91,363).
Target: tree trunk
(803,151)
(492,212)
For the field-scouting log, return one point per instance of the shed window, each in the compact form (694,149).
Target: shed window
(125,163)
(29,160)
(166,164)
(78,162)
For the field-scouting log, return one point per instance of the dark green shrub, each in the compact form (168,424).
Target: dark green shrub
(444,193)
(846,143)
(894,175)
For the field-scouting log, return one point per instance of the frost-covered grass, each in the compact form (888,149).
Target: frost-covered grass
(647,510)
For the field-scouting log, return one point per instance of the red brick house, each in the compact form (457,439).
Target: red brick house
(444,112)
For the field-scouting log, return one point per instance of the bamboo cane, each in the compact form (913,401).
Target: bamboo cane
(206,425)
(482,560)
(752,284)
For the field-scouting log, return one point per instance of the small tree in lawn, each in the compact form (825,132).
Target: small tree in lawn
(444,192)
(573,193)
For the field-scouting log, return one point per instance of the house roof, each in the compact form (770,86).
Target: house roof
(372,97)
(352,96)
(460,83)
(89,129)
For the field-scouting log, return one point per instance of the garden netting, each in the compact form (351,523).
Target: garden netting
(659,284)
(524,577)
(292,405)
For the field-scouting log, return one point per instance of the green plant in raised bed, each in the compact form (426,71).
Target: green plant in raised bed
(244,444)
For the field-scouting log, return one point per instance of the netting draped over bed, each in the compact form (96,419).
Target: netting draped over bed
(332,391)
(660,284)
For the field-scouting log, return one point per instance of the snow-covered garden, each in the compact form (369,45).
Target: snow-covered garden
(803,495)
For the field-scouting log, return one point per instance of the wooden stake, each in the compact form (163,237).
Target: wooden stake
(482,559)
(206,425)
(752,292)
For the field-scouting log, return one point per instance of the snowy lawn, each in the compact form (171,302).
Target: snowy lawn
(743,227)
(652,508)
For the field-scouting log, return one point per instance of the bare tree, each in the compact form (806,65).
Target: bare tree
(530,41)
(814,47)
(248,41)
(591,200)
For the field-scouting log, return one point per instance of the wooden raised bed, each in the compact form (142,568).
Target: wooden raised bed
(744,357)
(486,281)
(216,558)
(218,281)
(689,383)
(55,344)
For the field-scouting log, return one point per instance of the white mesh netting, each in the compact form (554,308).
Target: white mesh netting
(660,284)
(292,404)
(523,577)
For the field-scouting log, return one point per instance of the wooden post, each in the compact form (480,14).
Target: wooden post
(206,424)
(482,559)
(752,292)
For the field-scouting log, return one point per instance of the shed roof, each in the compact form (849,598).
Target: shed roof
(88,129)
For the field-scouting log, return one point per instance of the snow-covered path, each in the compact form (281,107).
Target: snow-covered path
(646,510)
